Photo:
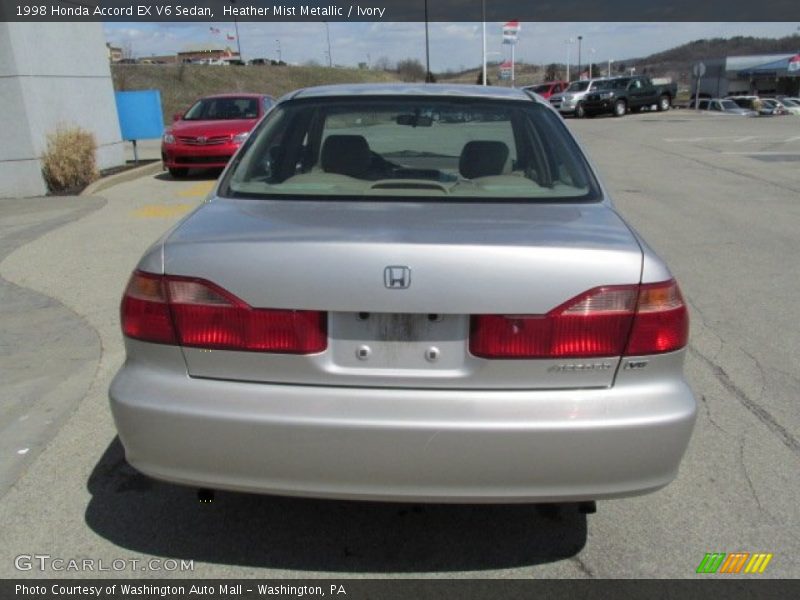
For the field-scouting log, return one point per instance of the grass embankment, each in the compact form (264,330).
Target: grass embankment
(181,85)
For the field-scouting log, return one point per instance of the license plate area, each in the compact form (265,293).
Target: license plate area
(398,341)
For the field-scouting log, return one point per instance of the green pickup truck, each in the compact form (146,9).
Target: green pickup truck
(622,94)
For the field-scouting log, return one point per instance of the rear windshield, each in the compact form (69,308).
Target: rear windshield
(416,147)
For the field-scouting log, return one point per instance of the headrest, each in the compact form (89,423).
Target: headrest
(346,155)
(480,158)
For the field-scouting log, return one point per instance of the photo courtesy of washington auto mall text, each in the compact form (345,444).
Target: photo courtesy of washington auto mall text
(199,589)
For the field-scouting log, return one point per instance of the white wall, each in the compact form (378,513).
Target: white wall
(51,75)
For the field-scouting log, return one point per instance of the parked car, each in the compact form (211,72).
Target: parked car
(570,101)
(792,105)
(548,88)
(778,108)
(378,303)
(723,105)
(754,103)
(622,94)
(211,131)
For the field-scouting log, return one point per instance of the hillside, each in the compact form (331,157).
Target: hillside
(181,85)
(675,63)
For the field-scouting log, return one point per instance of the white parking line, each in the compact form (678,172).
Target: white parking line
(776,153)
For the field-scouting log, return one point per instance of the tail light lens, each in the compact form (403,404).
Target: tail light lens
(605,321)
(661,323)
(197,313)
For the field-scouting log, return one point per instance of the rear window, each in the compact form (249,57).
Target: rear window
(437,149)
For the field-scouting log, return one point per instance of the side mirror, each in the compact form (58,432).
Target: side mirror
(177,117)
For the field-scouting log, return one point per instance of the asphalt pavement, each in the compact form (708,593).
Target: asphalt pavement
(716,196)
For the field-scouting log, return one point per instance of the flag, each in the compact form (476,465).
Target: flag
(510,32)
(794,63)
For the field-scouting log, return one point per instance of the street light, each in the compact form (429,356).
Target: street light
(580,39)
(236,27)
(278,49)
(568,42)
(328,34)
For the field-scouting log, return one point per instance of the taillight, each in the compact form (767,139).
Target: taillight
(662,321)
(605,321)
(145,312)
(203,315)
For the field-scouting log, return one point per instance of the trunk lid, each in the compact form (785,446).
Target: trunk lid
(455,260)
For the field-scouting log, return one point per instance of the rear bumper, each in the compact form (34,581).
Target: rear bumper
(198,157)
(402,444)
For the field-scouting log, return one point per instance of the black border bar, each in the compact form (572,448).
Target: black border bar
(399,10)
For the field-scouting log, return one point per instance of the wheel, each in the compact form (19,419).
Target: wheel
(579,111)
(663,103)
(620,108)
(178,172)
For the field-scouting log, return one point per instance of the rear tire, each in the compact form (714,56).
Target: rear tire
(178,172)
(620,108)
(664,103)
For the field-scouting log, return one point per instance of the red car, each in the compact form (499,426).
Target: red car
(211,131)
(547,89)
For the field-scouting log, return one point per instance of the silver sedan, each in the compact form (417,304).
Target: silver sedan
(414,293)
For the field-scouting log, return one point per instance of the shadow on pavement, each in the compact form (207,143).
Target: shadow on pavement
(151,517)
(193,175)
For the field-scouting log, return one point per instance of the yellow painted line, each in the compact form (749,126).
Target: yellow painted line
(763,566)
(199,189)
(162,211)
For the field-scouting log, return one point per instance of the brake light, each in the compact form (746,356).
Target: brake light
(661,323)
(203,315)
(145,312)
(604,321)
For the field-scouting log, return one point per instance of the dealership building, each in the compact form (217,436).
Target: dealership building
(761,74)
(52,75)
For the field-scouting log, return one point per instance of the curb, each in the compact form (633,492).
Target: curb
(129,175)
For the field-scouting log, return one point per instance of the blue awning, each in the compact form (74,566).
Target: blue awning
(785,67)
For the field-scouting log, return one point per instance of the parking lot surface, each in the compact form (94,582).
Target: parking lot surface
(717,198)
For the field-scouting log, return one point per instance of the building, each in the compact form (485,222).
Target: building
(52,75)
(206,53)
(762,74)
(114,54)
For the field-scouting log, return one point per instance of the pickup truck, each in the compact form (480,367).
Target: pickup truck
(622,94)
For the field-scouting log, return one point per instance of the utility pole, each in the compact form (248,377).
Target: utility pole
(328,34)
(483,18)
(236,28)
(427,47)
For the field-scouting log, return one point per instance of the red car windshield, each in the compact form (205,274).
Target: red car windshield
(210,109)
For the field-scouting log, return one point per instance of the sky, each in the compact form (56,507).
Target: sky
(454,46)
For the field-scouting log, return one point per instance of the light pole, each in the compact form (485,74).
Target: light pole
(328,34)
(278,49)
(568,42)
(483,18)
(427,48)
(609,67)
(580,39)
(236,27)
